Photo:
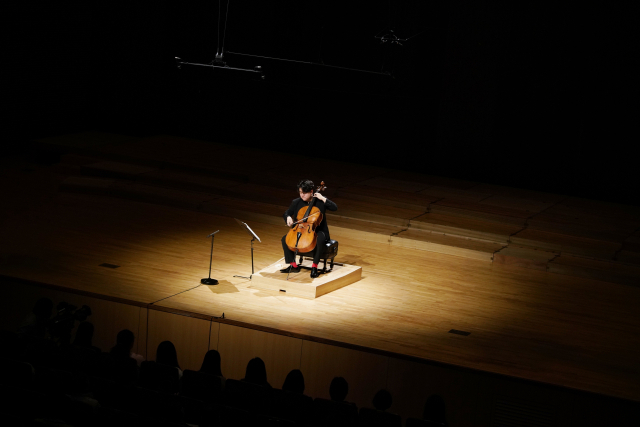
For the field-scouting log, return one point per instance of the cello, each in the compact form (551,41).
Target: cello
(302,237)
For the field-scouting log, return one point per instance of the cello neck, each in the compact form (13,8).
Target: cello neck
(320,188)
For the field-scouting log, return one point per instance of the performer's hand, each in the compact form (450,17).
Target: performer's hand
(289,221)
(320,196)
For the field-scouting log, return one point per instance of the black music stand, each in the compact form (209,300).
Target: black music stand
(254,236)
(209,280)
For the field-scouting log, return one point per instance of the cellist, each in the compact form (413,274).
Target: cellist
(305,189)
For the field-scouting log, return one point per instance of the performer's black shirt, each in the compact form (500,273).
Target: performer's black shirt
(298,204)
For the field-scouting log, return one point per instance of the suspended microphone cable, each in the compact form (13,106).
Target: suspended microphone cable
(224,34)
(218,40)
(308,63)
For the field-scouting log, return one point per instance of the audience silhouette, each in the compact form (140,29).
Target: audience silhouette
(120,365)
(256,373)
(382,400)
(211,364)
(338,389)
(434,410)
(166,355)
(117,392)
(84,336)
(35,325)
(294,382)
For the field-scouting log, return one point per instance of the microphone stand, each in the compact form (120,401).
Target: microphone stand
(254,236)
(209,280)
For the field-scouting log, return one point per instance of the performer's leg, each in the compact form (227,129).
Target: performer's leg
(289,255)
(320,244)
(289,258)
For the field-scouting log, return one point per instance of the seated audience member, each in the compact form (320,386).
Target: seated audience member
(167,355)
(211,364)
(36,323)
(81,355)
(256,373)
(382,400)
(338,389)
(126,339)
(120,365)
(335,412)
(379,417)
(84,336)
(434,410)
(294,383)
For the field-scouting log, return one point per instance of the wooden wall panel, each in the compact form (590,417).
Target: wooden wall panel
(140,346)
(214,336)
(189,335)
(238,345)
(366,373)
(411,383)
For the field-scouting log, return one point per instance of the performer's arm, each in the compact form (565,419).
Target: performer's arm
(328,204)
(289,213)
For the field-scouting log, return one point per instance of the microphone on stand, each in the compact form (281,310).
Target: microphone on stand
(209,280)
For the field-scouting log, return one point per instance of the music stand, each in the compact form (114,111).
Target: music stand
(254,236)
(209,280)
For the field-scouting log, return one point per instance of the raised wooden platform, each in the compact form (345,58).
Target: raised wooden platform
(301,284)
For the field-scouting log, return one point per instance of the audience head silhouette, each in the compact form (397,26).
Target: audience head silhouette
(256,372)
(338,389)
(84,335)
(124,343)
(294,382)
(166,354)
(434,409)
(125,338)
(37,324)
(382,400)
(211,363)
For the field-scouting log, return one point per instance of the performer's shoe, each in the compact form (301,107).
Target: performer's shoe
(314,273)
(290,269)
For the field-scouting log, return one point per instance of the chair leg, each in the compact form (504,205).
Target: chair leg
(324,266)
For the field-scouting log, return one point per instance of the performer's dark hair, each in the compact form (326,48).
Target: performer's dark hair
(306,185)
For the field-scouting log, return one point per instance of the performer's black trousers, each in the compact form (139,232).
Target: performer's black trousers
(320,244)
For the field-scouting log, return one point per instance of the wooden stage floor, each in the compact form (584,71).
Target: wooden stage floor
(558,329)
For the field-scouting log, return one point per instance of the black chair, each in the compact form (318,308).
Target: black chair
(329,253)
(20,406)
(17,374)
(193,411)
(330,413)
(109,393)
(417,422)
(159,377)
(211,415)
(245,396)
(236,417)
(200,386)
(270,421)
(285,405)
(373,418)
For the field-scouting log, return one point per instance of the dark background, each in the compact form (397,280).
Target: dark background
(524,95)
